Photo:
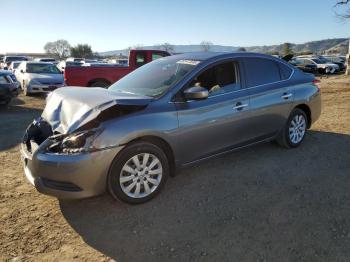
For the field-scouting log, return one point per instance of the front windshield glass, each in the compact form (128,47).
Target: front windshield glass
(155,78)
(42,69)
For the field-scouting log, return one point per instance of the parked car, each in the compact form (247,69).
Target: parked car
(39,77)
(13,66)
(168,114)
(340,62)
(74,59)
(304,65)
(9,86)
(46,59)
(323,66)
(8,59)
(64,64)
(100,76)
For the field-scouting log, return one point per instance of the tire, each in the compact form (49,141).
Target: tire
(294,131)
(100,83)
(128,186)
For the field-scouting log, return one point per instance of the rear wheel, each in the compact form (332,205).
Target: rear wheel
(294,130)
(138,173)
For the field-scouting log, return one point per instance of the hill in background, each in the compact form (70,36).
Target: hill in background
(336,45)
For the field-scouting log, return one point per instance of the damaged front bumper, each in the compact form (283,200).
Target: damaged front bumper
(67,175)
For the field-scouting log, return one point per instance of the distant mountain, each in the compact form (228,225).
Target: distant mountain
(336,45)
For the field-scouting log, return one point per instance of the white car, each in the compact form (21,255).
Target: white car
(323,66)
(39,77)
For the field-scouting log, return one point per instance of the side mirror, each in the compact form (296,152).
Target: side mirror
(196,93)
(22,71)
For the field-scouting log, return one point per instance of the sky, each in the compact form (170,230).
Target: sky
(116,24)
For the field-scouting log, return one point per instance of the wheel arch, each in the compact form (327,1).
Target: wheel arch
(307,111)
(163,144)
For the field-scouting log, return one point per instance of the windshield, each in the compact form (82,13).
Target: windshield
(42,69)
(155,78)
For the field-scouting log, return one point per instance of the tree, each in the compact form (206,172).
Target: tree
(287,49)
(59,48)
(167,47)
(206,45)
(242,49)
(344,14)
(81,50)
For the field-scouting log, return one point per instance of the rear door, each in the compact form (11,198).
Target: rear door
(270,96)
(219,122)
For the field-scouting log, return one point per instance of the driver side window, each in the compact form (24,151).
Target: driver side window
(219,79)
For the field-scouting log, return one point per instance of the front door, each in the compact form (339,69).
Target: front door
(217,123)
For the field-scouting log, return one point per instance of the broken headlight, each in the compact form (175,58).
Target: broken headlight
(78,142)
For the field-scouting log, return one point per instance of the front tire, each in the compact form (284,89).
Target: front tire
(293,133)
(138,173)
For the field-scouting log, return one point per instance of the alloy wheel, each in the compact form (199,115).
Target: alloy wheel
(141,175)
(297,129)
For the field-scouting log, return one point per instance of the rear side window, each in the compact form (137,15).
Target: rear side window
(157,56)
(260,71)
(285,71)
(140,58)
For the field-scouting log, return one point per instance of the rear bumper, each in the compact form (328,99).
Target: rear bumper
(68,176)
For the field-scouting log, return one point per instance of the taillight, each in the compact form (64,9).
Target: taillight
(316,83)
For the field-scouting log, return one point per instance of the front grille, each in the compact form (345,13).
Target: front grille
(59,185)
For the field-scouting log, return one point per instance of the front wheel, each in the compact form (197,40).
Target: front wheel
(294,131)
(138,173)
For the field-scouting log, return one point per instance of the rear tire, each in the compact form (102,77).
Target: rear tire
(294,131)
(138,173)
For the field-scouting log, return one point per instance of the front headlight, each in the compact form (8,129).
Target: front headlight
(78,142)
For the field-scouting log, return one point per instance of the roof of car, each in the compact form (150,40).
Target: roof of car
(208,55)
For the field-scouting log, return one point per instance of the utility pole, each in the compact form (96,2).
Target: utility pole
(347,72)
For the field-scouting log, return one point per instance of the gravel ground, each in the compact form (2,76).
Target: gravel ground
(263,203)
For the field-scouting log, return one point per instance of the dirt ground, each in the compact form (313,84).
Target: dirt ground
(263,203)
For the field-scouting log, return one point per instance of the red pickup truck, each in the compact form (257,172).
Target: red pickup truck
(105,75)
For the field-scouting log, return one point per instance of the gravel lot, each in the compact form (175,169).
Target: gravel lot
(264,203)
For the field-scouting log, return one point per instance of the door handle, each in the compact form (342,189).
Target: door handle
(239,106)
(286,96)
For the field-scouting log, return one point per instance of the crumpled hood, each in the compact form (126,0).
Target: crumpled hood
(69,108)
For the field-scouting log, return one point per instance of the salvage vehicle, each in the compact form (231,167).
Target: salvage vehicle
(46,59)
(8,59)
(323,66)
(104,76)
(64,64)
(39,77)
(171,113)
(9,86)
(304,65)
